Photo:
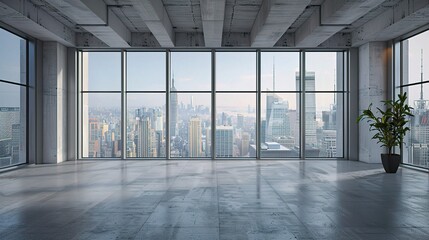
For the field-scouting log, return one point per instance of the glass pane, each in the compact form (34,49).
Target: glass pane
(235,125)
(278,71)
(279,125)
(416,148)
(146,125)
(236,71)
(190,125)
(191,71)
(415,57)
(101,125)
(12,125)
(13,51)
(101,71)
(146,71)
(324,125)
(326,69)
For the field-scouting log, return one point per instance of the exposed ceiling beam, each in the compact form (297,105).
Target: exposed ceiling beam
(331,17)
(273,19)
(156,19)
(400,19)
(212,14)
(138,40)
(97,18)
(34,21)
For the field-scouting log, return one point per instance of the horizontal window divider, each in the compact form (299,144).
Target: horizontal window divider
(189,50)
(205,91)
(280,91)
(237,50)
(236,91)
(155,50)
(413,84)
(14,83)
(326,92)
(145,91)
(100,91)
(101,50)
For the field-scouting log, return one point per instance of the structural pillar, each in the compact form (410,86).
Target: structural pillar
(54,102)
(373,79)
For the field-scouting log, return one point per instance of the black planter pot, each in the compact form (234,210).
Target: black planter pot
(391,162)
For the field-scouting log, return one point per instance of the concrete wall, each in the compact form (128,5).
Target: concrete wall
(373,86)
(353,134)
(54,102)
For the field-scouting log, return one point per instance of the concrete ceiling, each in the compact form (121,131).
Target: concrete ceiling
(214,23)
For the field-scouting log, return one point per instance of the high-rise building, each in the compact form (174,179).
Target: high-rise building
(16,135)
(419,134)
(278,123)
(245,143)
(310,107)
(224,141)
(145,138)
(173,109)
(208,132)
(8,117)
(194,137)
(94,138)
(240,121)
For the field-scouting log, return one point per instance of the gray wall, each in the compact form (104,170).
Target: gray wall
(373,86)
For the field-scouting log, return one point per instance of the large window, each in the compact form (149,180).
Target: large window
(413,79)
(280,134)
(235,104)
(212,104)
(190,105)
(324,108)
(101,104)
(13,98)
(146,97)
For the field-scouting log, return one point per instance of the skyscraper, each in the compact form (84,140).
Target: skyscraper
(245,143)
(173,109)
(419,133)
(240,121)
(194,137)
(94,138)
(8,117)
(310,107)
(146,138)
(224,141)
(278,124)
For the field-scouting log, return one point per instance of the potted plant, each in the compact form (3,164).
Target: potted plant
(390,128)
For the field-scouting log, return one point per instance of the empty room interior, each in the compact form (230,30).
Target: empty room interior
(214,119)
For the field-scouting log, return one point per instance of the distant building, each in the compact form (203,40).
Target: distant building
(173,109)
(224,141)
(245,143)
(274,150)
(8,117)
(310,107)
(278,124)
(240,121)
(194,137)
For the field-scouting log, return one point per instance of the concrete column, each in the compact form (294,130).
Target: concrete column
(71,103)
(373,63)
(353,137)
(54,102)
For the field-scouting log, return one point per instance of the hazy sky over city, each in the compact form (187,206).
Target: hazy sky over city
(10,68)
(10,56)
(415,45)
(192,71)
(235,71)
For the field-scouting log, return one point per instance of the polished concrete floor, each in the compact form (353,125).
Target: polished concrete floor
(213,200)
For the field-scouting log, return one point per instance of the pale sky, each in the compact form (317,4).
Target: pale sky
(192,72)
